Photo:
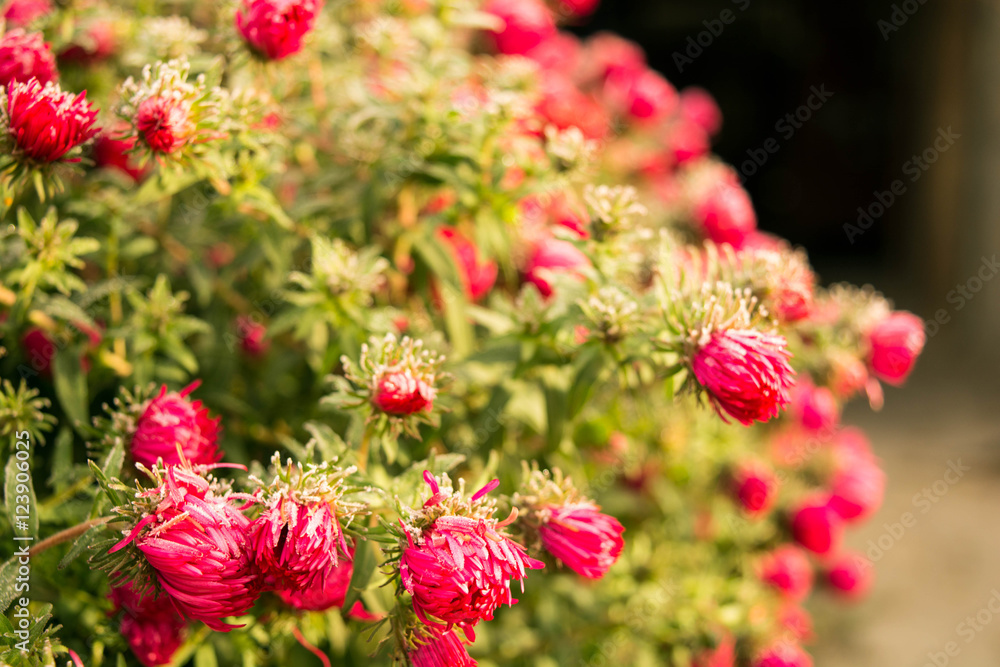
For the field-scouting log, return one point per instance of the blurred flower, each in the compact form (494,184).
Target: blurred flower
(581,537)
(754,487)
(787,569)
(814,407)
(797,621)
(98,42)
(857,488)
(724,211)
(553,256)
(45,124)
(816,526)
(25,56)
(40,349)
(109,153)
(643,95)
(578,8)
(850,575)
(20,13)
(608,55)
(745,373)
(150,624)
(196,544)
(164,124)
(782,654)
(440,649)
(170,420)
(274,29)
(723,655)
(894,345)
(699,107)
(848,374)
(252,335)
(401,393)
(526,24)
(686,141)
(477,276)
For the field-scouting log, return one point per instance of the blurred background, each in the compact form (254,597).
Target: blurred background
(909,133)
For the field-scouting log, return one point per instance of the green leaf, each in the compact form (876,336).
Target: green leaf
(8,579)
(62,459)
(586,380)
(71,386)
(27,490)
(364,568)
(80,545)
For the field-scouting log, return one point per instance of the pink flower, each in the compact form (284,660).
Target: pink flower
(25,56)
(848,375)
(723,655)
(816,526)
(857,489)
(611,55)
(745,373)
(163,123)
(687,141)
(754,487)
(151,626)
(564,105)
(643,96)
(197,544)
(787,569)
(46,123)
(19,13)
(552,255)
(725,212)
(527,23)
(400,393)
(459,568)
(699,107)
(559,53)
(782,654)
(170,420)
(814,407)
(252,336)
(477,276)
(894,344)
(297,545)
(582,538)
(111,153)
(441,649)
(797,621)
(850,575)
(331,594)
(579,8)
(274,29)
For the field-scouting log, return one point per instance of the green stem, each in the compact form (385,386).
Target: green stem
(67,535)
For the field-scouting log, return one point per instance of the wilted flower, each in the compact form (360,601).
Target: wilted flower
(787,569)
(455,563)
(754,486)
(894,345)
(816,526)
(169,420)
(274,29)
(150,624)
(25,56)
(477,276)
(850,575)
(196,544)
(43,123)
(526,24)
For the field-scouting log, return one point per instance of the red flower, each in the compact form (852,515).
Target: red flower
(527,23)
(894,344)
(98,43)
(459,568)
(687,141)
(857,489)
(330,594)
(585,540)
(151,626)
(441,649)
(725,212)
(723,655)
(782,654)
(46,123)
(564,105)
(477,276)
(643,96)
(745,373)
(787,569)
(20,13)
(850,575)
(252,335)
(610,55)
(163,123)
(552,255)
(170,420)
(111,153)
(754,487)
(274,29)
(25,56)
(699,107)
(579,8)
(400,393)
(40,349)
(816,526)
(814,407)
(197,545)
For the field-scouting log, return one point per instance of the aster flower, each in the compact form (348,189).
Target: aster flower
(298,541)
(171,421)
(754,486)
(718,206)
(42,125)
(894,345)
(151,626)
(455,562)
(850,575)
(524,24)
(25,56)
(816,525)
(195,542)
(274,29)
(567,525)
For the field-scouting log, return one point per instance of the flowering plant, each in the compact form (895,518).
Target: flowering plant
(400,250)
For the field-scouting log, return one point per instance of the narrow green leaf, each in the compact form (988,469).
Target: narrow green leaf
(8,579)
(80,545)
(71,385)
(364,568)
(20,496)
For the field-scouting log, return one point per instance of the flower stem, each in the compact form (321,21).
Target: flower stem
(67,535)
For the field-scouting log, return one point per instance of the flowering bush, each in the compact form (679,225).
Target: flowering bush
(492,363)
